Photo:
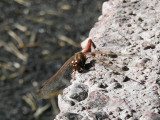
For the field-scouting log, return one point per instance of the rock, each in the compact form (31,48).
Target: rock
(131,29)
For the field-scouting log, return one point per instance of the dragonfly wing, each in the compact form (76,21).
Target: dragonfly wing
(115,68)
(58,81)
(111,66)
(112,54)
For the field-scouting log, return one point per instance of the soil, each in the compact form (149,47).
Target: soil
(36,38)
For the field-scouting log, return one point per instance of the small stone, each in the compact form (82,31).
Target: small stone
(79,92)
(158,71)
(147,45)
(97,99)
(72,116)
(99,115)
(151,116)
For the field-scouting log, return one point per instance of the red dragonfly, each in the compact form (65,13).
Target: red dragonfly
(77,63)
(58,81)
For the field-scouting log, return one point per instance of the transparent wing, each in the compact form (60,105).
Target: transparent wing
(107,64)
(58,81)
(113,66)
(112,54)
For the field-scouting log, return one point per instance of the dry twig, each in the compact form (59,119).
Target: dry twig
(23,2)
(68,40)
(16,37)
(20,27)
(12,48)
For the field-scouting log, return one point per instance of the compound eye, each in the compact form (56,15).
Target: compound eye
(72,62)
(77,61)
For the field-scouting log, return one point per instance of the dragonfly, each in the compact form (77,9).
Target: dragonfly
(75,63)
(58,80)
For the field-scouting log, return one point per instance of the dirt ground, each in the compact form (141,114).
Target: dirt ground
(36,38)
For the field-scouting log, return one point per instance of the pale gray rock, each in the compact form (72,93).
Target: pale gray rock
(103,93)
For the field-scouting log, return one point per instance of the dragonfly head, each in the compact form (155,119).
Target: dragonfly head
(75,64)
(78,61)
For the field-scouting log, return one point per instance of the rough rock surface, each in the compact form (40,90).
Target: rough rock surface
(104,92)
